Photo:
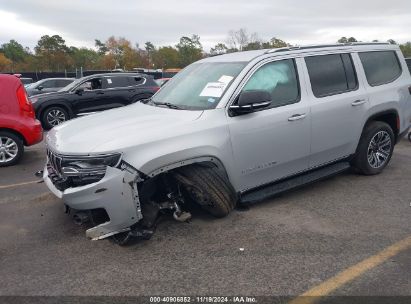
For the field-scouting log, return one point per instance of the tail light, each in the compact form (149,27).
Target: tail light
(26,107)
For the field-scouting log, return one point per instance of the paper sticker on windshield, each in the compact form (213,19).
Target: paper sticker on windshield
(213,89)
(225,79)
(109,80)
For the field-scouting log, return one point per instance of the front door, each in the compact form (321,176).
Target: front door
(89,100)
(274,142)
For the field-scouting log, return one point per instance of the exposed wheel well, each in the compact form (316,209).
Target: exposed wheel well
(390,117)
(15,133)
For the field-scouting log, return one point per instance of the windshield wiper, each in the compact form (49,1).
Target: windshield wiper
(167,104)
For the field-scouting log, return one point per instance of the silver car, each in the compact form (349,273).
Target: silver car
(230,130)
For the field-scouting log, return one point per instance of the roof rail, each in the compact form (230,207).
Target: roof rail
(294,48)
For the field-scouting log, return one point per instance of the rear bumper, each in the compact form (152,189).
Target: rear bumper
(116,193)
(32,132)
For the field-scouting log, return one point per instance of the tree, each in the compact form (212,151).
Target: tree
(150,49)
(189,50)
(166,57)
(101,47)
(84,57)
(347,40)
(5,63)
(238,39)
(14,51)
(218,49)
(406,49)
(391,41)
(52,52)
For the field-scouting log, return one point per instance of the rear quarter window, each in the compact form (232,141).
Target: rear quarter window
(380,67)
(136,80)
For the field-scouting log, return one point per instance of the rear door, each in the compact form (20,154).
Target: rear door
(117,91)
(338,106)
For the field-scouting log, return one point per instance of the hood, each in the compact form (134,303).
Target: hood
(118,129)
(45,95)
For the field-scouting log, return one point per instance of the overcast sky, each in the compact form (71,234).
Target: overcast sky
(163,22)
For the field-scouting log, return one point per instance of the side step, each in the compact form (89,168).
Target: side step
(270,190)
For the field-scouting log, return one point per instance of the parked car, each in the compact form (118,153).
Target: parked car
(92,94)
(408,60)
(229,130)
(48,85)
(18,125)
(26,81)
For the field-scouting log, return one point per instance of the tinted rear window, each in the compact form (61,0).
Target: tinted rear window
(380,67)
(116,82)
(331,74)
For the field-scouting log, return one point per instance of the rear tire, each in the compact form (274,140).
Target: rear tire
(209,188)
(54,116)
(11,149)
(375,148)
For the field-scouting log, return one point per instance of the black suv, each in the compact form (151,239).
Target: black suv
(92,94)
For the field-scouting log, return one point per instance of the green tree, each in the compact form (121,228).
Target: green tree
(189,50)
(218,49)
(347,40)
(406,49)
(15,52)
(52,52)
(166,57)
(101,47)
(84,57)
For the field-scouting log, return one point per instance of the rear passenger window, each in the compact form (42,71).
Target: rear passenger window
(116,82)
(331,74)
(279,78)
(137,80)
(380,67)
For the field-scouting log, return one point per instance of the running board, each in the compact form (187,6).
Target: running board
(270,190)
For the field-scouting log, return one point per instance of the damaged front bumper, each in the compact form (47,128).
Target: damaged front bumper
(116,193)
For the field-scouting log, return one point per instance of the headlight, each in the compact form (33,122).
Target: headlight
(88,166)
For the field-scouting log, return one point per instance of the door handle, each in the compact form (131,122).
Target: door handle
(100,93)
(296,117)
(358,102)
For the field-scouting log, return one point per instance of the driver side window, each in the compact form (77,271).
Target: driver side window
(280,79)
(91,84)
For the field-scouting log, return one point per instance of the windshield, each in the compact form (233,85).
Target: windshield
(71,85)
(200,86)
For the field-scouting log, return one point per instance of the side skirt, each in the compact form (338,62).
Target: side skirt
(261,193)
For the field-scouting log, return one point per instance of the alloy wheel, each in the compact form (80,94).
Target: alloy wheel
(379,149)
(8,149)
(56,117)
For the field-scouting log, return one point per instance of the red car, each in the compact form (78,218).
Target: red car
(18,125)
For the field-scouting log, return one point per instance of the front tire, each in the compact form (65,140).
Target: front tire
(375,148)
(11,149)
(208,187)
(53,116)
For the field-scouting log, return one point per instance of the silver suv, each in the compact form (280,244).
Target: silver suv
(231,129)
